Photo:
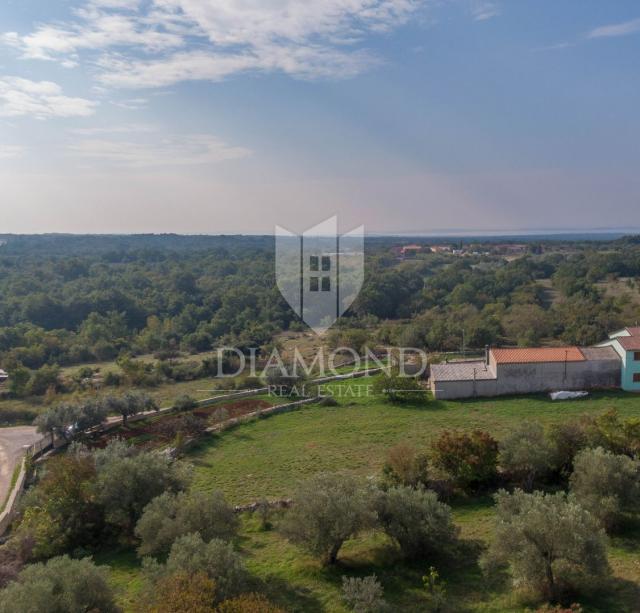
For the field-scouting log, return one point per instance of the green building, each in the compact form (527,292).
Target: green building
(626,343)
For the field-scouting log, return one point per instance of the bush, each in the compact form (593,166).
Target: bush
(405,466)
(170,516)
(417,521)
(328,509)
(568,438)
(551,545)
(217,559)
(614,434)
(59,586)
(469,459)
(525,454)
(436,590)
(14,554)
(399,389)
(184,403)
(363,595)
(248,603)
(328,401)
(607,485)
(181,592)
(60,512)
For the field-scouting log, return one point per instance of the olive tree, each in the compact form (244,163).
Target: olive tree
(130,404)
(416,521)
(128,480)
(171,515)
(605,484)
(328,510)
(526,454)
(59,586)
(550,544)
(192,555)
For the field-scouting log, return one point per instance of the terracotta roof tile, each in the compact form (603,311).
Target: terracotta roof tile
(537,355)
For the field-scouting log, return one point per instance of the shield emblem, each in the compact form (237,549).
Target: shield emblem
(320,273)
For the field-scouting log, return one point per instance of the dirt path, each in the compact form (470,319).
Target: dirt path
(13,442)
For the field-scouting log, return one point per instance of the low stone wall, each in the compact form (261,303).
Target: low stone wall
(39,448)
(35,450)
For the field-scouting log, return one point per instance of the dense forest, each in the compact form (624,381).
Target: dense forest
(74,299)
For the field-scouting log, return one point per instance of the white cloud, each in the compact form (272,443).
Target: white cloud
(177,151)
(156,43)
(9,152)
(39,99)
(617,29)
(481,10)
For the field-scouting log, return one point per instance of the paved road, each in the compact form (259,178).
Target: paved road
(12,444)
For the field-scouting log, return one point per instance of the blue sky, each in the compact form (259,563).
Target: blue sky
(222,116)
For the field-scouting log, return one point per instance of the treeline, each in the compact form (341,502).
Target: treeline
(79,308)
(75,304)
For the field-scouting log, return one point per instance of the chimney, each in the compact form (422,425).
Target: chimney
(486,354)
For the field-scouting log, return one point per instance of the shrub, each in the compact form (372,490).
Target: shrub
(525,454)
(328,509)
(397,388)
(217,559)
(416,521)
(181,592)
(170,516)
(605,484)
(363,595)
(568,438)
(614,434)
(14,554)
(184,403)
(248,603)
(549,542)
(405,466)
(60,512)
(436,590)
(328,401)
(59,586)
(470,459)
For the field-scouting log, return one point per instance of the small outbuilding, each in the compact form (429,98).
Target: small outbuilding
(508,371)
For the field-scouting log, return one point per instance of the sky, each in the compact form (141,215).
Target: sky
(234,116)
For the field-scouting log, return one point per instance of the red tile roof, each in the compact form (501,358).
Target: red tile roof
(537,355)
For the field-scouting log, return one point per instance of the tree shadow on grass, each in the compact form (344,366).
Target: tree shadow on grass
(293,598)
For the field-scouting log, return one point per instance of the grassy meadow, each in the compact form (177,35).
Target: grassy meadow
(264,458)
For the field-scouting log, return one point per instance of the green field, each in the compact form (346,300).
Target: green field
(265,458)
